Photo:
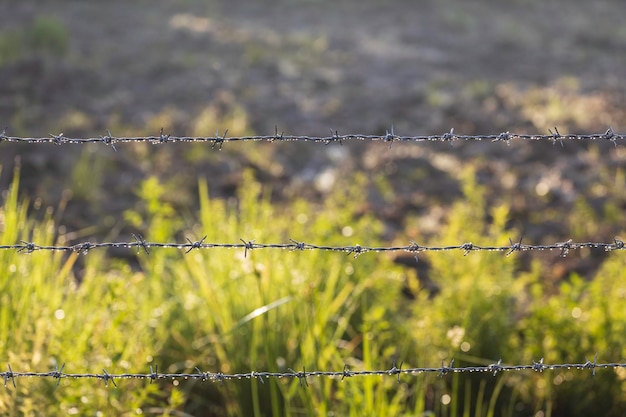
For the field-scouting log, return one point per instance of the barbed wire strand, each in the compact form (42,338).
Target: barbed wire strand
(249,245)
(389,137)
(154,375)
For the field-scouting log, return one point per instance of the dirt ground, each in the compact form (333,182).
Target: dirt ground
(308,66)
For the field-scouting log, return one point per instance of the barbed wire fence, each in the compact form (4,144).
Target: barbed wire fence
(140,243)
(395,370)
(248,245)
(389,137)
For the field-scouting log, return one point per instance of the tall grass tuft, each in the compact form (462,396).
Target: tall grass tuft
(266,310)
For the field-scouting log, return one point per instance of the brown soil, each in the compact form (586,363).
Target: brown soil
(309,66)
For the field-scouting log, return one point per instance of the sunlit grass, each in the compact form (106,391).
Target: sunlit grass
(230,311)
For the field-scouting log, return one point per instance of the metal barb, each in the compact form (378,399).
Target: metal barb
(9,376)
(106,377)
(201,374)
(448,137)
(276,135)
(58,374)
(592,365)
(83,247)
(619,244)
(108,140)
(299,245)
(3,134)
(346,372)
(219,139)
(556,136)
(538,366)
(446,369)
(565,248)
(610,135)
(163,138)
(258,376)
(357,250)
(334,137)
(467,247)
(154,375)
(504,137)
(414,247)
(495,367)
(247,246)
(141,243)
(57,139)
(28,247)
(396,370)
(195,245)
(514,246)
(389,137)
(301,376)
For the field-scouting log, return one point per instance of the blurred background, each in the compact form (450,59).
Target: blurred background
(307,67)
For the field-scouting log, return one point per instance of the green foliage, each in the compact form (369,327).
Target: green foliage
(482,287)
(48,34)
(9,46)
(236,311)
(47,318)
(473,317)
(488,310)
(45,35)
(580,319)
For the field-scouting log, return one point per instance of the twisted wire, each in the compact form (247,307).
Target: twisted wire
(396,370)
(389,137)
(249,245)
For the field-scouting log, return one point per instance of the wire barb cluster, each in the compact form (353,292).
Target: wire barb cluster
(389,137)
(248,245)
(396,371)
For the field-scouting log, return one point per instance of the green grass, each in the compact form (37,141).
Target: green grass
(47,319)
(46,35)
(224,310)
